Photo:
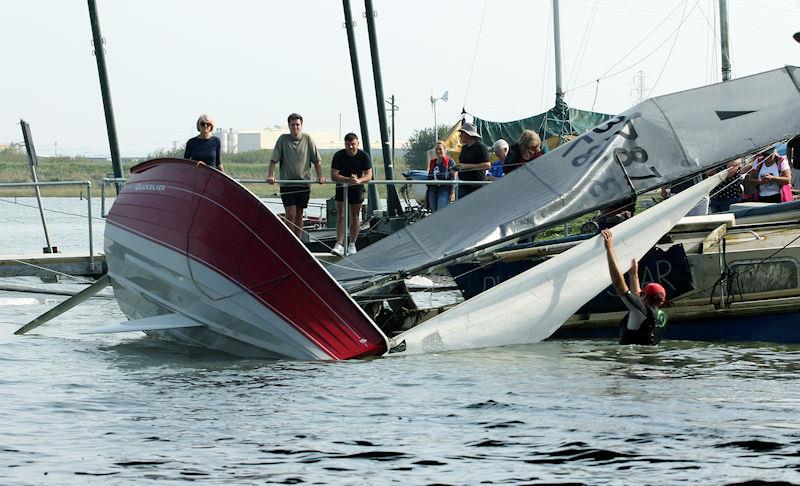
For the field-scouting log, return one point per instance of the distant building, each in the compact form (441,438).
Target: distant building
(235,141)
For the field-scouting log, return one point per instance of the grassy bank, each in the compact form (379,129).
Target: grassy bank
(251,165)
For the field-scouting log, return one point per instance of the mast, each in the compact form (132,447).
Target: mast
(557,45)
(393,202)
(560,110)
(111,126)
(723,34)
(372,199)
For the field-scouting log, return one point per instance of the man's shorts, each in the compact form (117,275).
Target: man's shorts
(295,196)
(355,194)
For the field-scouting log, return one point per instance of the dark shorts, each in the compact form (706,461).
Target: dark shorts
(295,196)
(355,194)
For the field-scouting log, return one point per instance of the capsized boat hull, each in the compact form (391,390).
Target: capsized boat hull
(190,240)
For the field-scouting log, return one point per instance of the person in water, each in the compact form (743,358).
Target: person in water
(645,321)
(205,147)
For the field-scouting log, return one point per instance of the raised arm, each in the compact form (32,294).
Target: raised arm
(613,268)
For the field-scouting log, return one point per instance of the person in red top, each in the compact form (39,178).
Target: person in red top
(439,169)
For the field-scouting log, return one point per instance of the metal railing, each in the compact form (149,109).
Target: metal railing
(88,186)
(120,181)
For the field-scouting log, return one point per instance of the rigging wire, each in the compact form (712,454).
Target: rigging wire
(584,44)
(475,53)
(546,69)
(605,75)
(674,41)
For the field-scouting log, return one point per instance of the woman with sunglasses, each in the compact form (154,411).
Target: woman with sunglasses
(205,147)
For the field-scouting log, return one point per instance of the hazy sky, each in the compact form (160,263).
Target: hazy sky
(250,63)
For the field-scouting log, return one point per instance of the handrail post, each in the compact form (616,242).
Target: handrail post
(89,213)
(346,209)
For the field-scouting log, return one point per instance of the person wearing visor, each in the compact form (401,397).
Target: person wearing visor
(645,321)
(205,147)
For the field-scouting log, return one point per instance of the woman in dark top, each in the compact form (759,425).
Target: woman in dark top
(528,147)
(205,147)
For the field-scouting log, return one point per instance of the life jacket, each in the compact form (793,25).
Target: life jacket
(649,333)
(448,164)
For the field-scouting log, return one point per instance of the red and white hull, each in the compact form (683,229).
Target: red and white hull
(190,241)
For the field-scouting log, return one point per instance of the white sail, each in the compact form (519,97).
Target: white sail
(531,306)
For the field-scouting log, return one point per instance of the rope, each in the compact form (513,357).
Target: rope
(51,210)
(674,41)
(583,45)
(62,274)
(605,75)
(475,53)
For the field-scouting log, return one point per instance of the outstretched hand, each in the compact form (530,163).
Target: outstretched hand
(608,238)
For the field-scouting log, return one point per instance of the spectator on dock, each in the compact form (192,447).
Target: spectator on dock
(205,147)
(728,191)
(645,321)
(793,156)
(353,167)
(473,161)
(500,149)
(529,146)
(296,152)
(440,169)
(773,176)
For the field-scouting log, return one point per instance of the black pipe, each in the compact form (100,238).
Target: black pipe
(393,201)
(111,127)
(372,199)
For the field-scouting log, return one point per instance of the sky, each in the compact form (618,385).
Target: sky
(249,63)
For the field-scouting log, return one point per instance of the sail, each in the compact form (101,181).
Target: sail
(531,306)
(658,141)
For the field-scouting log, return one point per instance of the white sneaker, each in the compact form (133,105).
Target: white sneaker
(338,249)
(351,249)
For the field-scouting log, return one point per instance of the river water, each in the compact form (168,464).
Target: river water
(127,409)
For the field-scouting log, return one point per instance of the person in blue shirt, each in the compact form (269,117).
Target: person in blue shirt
(205,147)
(500,149)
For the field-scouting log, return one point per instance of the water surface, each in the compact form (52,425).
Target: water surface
(127,409)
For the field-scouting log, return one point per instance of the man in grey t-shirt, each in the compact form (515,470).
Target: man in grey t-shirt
(295,152)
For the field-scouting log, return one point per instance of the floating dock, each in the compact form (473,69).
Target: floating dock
(50,264)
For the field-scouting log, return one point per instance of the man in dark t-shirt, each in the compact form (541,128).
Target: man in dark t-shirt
(352,167)
(474,159)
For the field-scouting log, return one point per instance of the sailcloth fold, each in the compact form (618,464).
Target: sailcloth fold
(531,306)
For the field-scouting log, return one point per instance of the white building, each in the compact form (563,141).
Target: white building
(235,141)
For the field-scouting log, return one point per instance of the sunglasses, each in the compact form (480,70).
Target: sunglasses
(204,124)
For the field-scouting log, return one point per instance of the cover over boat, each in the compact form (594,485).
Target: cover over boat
(191,244)
(657,141)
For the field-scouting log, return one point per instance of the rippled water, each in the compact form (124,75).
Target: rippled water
(125,409)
